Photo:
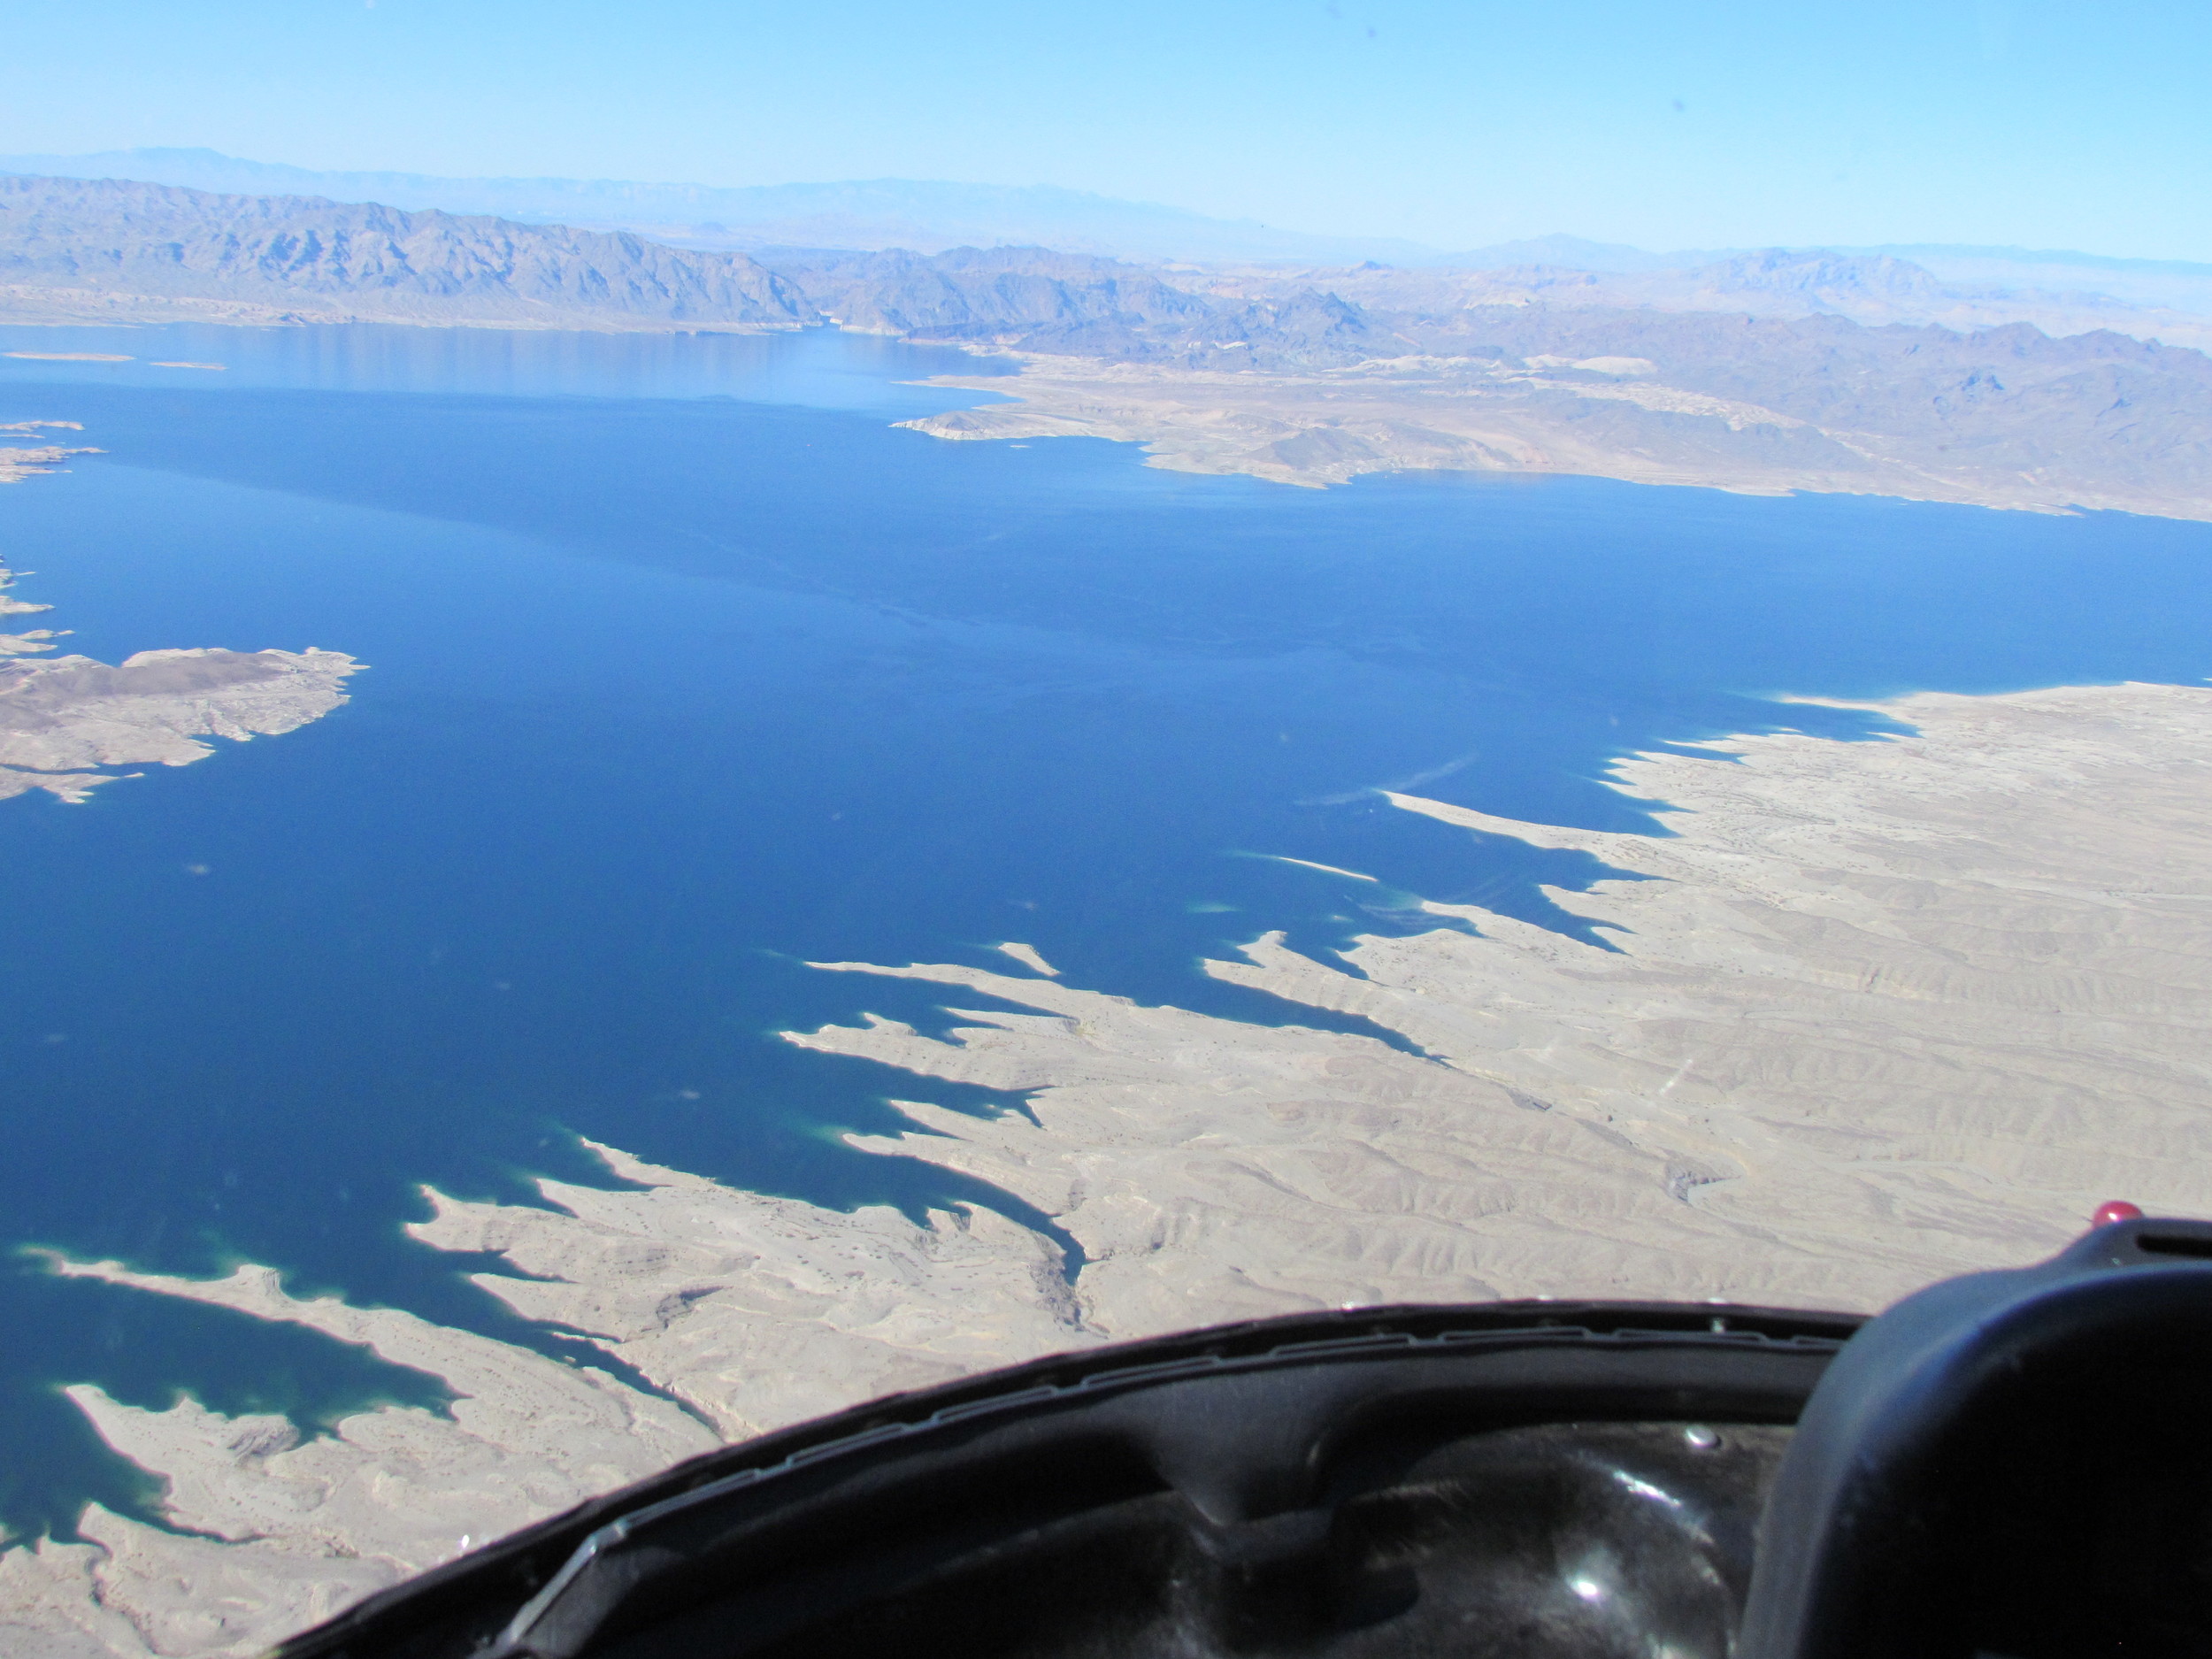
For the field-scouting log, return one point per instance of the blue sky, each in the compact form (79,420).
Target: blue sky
(2010,121)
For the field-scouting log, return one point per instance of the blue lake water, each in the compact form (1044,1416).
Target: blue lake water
(687,667)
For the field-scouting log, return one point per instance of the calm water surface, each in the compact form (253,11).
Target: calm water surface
(687,667)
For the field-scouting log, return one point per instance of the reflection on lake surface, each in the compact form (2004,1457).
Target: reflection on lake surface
(818,367)
(686,668)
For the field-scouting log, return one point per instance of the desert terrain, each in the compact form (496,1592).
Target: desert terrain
(1862,1016)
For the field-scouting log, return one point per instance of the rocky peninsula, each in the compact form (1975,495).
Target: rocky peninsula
(1856,1021)
(62,717)
(21,460)
(65,722)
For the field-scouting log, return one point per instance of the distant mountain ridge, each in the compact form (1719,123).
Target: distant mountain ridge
(77,250)
(1774,370)
(930,216)
(114,247)
(1071,304)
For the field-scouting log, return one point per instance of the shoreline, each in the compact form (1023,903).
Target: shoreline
(98,308)
(1871,1025)
(66,722)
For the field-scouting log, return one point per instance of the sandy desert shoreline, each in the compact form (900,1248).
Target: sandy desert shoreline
(1877,1012)
(1600,417)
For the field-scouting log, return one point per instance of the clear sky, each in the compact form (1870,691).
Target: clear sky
(1666,125)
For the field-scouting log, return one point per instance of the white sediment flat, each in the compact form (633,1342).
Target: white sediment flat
(1875,1013)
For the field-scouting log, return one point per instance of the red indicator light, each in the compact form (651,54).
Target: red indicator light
(2115,1210)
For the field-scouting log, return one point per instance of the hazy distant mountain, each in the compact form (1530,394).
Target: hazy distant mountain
(78,250)
(972,293)
(928,216)
(105,248)
(1757,370)
(1867,289)
(1923,252)
(1037,299)
(1573,253)
(2176,283)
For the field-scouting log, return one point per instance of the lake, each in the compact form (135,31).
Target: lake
(688,668)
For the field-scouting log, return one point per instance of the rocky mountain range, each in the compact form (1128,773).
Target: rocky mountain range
(932,216)
(74,250)
(1770,371)
(1873,289)
(1031,299)
(112,249)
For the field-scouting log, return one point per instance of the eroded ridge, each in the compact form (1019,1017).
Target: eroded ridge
(1878,1012)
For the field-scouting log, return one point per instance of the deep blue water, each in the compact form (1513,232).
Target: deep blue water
(688,667)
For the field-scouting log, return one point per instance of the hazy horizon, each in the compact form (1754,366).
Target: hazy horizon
(176,159)
(1999,123)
